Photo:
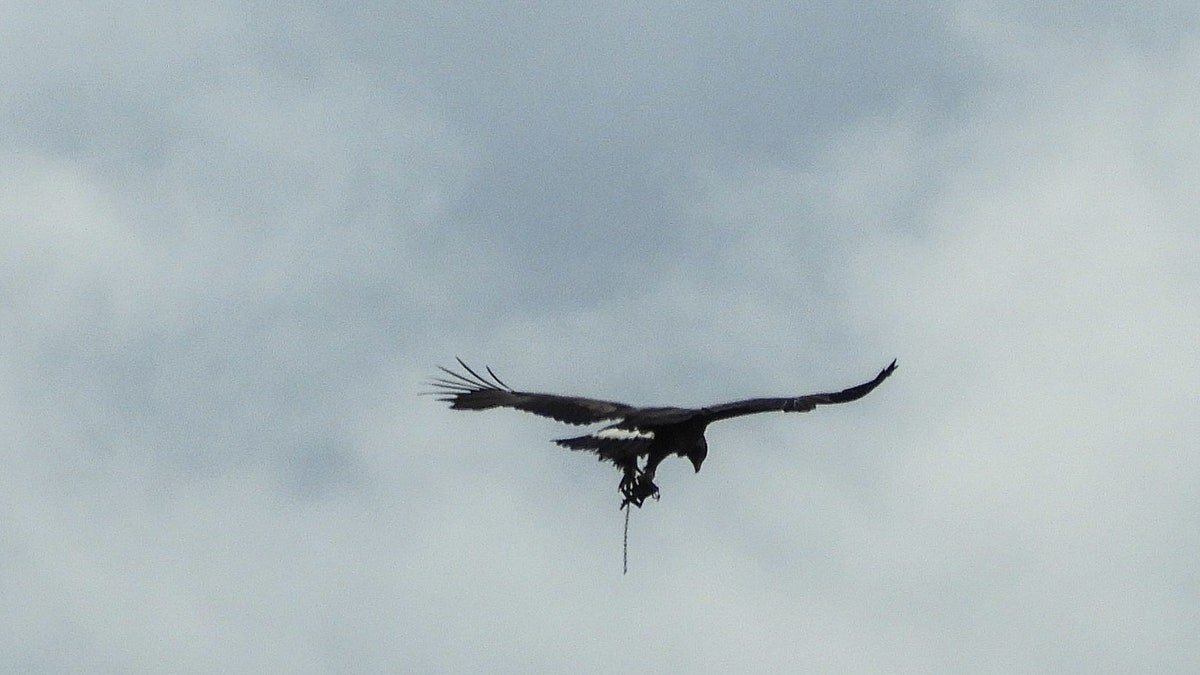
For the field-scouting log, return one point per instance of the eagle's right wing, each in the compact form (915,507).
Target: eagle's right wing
(475,392)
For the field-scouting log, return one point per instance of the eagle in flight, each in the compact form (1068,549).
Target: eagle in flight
(653,433)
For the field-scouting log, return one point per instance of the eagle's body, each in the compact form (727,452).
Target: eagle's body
(655,433)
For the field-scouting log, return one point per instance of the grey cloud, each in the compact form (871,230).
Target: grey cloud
(233,242)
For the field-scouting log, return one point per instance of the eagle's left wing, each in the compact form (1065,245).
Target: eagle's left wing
(795,403)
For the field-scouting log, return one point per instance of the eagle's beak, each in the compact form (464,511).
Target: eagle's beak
(696,462)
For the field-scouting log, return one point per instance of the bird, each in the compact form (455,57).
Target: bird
(654,433)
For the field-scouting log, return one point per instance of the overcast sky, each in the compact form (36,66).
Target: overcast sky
(235,237)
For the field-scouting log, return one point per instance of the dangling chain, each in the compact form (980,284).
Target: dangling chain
(625,545)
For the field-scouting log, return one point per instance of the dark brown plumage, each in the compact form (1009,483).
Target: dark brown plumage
(655,433)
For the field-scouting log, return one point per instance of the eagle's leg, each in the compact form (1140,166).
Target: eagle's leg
(629,477)
(629,483)
(647,479)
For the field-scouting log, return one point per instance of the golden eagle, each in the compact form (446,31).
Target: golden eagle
(655,433)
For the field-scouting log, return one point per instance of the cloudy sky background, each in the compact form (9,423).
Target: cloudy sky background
(235,238)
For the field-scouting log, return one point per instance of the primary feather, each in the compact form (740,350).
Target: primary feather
(475,392)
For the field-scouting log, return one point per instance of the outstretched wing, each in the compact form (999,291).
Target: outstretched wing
(795,404)
(471,391)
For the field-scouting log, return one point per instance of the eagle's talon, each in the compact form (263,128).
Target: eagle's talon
(645,488)
(636,490)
